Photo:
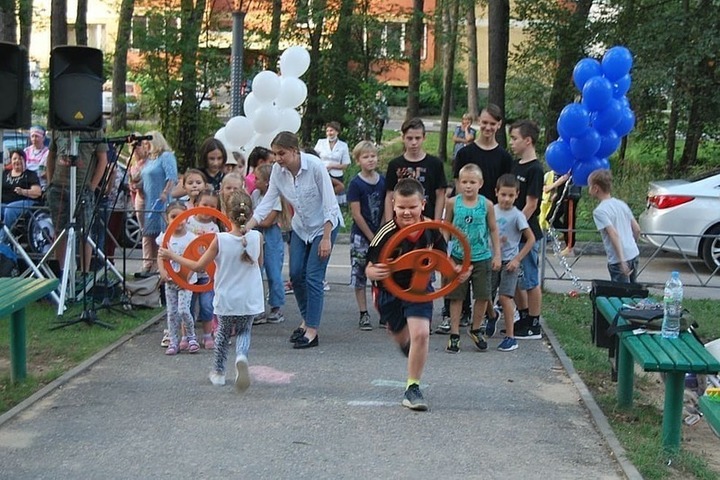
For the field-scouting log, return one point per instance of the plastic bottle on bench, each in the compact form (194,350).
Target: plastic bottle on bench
(672,306)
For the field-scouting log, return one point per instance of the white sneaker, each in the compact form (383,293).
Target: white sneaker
(242,373)
(217,379)
(326,286)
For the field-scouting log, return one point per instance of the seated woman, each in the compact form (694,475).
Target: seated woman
(20,190)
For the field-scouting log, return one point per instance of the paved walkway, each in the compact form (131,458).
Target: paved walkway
(329,412)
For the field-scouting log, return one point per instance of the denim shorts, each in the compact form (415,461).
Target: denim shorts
(394,312)
(530,277)
(617,275)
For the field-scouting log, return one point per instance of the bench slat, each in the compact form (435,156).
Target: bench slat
(16,293)
(640,352)
(670,347)
(712,365)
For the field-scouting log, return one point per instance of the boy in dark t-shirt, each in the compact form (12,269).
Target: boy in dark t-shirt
(407,322)
(529,173)
(416,163)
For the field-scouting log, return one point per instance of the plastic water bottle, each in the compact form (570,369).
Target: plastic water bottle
(672,306)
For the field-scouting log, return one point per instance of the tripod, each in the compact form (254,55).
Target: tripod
(87,316)
(110,173)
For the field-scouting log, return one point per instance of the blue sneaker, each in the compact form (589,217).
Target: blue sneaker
(490,327)
(508,345)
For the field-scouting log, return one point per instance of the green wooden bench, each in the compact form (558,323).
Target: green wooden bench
(711,412)
(15,295)
(653,353)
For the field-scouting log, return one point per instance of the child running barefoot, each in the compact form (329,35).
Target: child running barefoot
(178,299)
(238,259)
(199,225)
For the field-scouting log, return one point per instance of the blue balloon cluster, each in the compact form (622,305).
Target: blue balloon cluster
(590,131)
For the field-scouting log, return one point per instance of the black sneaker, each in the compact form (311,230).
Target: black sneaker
(465,319)
(414,399)
(382,323)
(364,323)
(528,333)
(405,349)
(478,339)
(453,345)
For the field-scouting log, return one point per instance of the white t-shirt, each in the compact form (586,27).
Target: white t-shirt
(178,245)
(238,283)
(616,213)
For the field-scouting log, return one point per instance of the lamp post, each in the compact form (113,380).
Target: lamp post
(236,62)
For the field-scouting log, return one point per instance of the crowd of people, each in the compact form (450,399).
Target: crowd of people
(288,198)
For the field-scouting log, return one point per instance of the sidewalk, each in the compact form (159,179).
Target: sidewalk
(329,412)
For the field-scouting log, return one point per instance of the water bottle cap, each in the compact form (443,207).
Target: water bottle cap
(675,273)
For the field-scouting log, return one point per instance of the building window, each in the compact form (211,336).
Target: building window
(95,34)
(390,40)
(155,30)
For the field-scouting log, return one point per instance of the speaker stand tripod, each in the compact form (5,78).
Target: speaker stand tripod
(87,316)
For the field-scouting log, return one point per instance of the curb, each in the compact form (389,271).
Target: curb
(599,418)
(77,370)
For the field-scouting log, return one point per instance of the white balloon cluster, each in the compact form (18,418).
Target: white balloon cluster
(271,107)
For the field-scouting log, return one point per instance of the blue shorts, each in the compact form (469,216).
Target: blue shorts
(205,300)
(394,312)
(530,277)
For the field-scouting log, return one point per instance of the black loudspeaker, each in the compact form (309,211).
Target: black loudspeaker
(76,79)
(15,87)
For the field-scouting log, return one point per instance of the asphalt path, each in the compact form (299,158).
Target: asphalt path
(328,412)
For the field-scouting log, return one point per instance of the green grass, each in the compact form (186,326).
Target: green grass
(639,430)
(52,353)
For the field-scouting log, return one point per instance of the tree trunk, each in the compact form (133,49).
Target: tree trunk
(415,34)
(311,118)
(570,45)
(498,43)
(671,138)
(122,43)
(274,47)
(8,21)
(450,11)
(81,36)
(191,25)
(338,76)
(25,19)
(694,132)
(58,23)
(472,76)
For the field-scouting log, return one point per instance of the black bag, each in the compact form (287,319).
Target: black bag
(603,288)
(645,315)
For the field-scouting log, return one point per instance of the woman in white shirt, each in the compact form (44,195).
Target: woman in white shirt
(302,180)
(335,154)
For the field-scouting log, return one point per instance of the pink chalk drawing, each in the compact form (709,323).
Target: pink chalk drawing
(264,374)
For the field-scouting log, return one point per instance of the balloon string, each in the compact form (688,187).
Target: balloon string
(555,240)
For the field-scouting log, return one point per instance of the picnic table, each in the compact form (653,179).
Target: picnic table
(673,357)
(15,294)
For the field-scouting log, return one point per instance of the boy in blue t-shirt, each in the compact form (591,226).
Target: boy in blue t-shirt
(366,197)
(512,226)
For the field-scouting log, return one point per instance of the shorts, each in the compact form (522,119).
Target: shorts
(530,277)
(505,282)
(58,200)
(358,260)
(203,301)
(481,280)
(394,312)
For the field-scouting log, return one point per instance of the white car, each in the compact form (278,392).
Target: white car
(683,216)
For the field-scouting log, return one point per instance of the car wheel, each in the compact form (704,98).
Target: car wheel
(132,233)
(711,248)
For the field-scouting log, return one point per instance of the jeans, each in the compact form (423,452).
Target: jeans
(12,211)
(617,275)
(204,302)
(274,257)
(307,272)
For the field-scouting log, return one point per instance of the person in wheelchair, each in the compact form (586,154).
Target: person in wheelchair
(20,190)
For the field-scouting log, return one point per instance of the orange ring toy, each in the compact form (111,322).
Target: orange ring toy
(194,250)
(423,262)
